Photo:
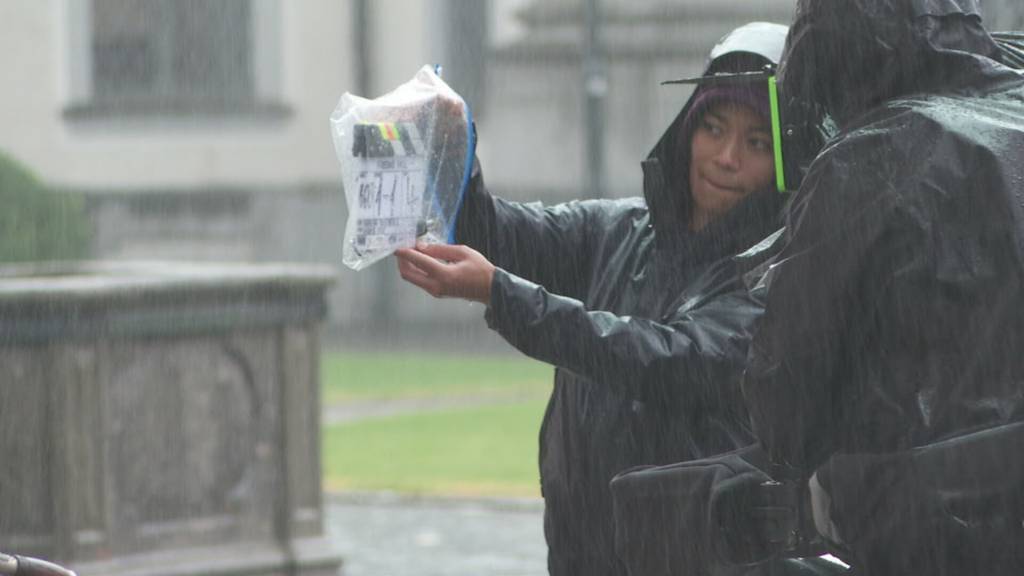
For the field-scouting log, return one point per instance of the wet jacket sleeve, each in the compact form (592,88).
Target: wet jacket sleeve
(547,245)
(684,363)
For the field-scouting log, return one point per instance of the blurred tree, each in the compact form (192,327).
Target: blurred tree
(37,223)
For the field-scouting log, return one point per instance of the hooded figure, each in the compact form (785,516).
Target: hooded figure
(894,321)
(637,303)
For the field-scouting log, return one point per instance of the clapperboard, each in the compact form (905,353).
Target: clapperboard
(391,179)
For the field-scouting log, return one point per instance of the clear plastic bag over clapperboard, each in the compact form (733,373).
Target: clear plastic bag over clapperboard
(406,159)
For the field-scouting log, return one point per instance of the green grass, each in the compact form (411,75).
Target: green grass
(354,376)
(486,451)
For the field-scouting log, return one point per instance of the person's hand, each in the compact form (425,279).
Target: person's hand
(446,271)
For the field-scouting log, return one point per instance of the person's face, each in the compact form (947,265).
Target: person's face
(730,157)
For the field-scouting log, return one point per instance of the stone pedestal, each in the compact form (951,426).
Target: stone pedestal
(160,419)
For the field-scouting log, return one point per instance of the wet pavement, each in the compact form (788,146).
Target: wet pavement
(390,535)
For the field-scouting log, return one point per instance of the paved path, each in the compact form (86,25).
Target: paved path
(387,535)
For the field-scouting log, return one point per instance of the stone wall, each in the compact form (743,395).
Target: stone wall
(163,418)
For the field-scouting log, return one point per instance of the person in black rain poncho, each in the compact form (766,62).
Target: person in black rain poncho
(636,302)
(890,357)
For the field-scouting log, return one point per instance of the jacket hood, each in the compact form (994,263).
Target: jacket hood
(666,169)
(843,57)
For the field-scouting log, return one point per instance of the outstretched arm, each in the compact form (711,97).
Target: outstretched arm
(690,361)
(693,360)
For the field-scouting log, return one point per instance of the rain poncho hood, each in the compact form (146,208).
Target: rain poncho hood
(894,314)
(645,321)
(881,49)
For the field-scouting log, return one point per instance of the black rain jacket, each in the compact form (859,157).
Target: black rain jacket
(646,323)
(895,312)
